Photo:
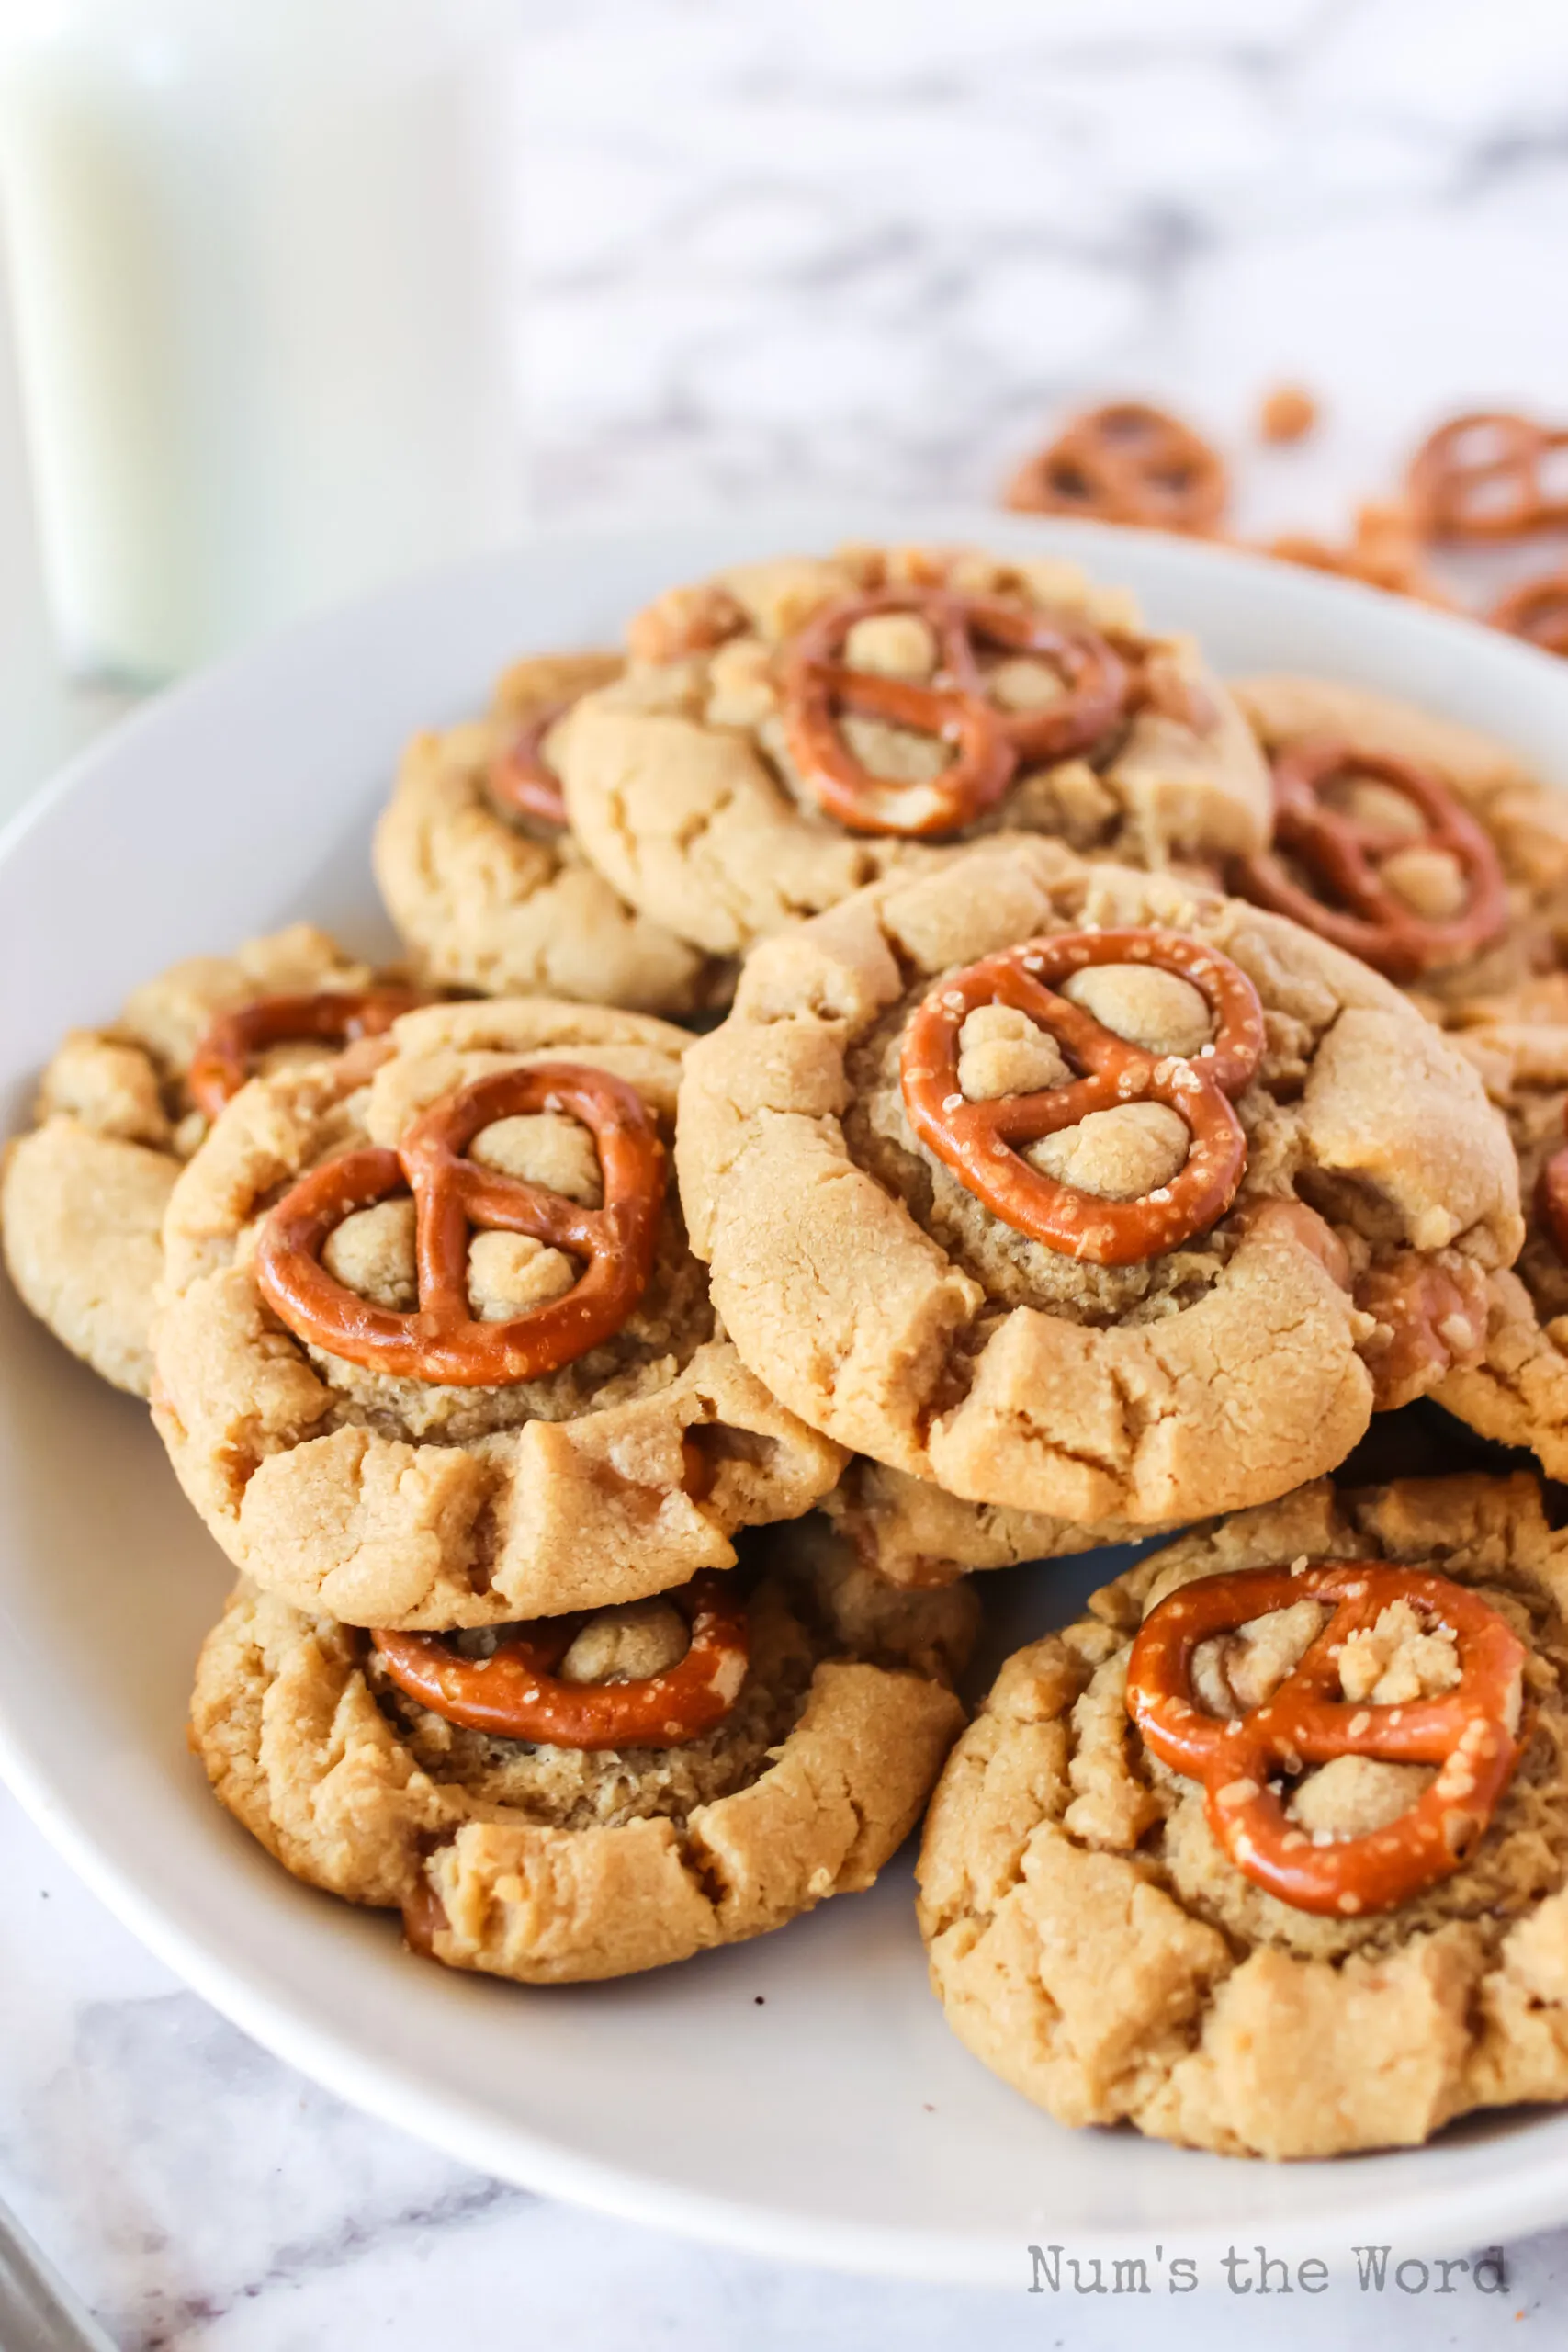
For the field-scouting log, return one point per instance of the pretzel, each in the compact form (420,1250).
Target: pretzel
(1387,551)
(516,1693)
(442,1340)
(1126,463)
(979,1141)
(1471,1731)
(222,1061)
(1493,488)
(519,779)
(1537,611)
(1552,1195)
(989,742)
(1365,915)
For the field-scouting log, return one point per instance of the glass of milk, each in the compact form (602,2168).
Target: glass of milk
(260,276)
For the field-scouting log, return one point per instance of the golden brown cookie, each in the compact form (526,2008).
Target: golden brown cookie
(896,1307)
(487,887)
(789,731)
(1091,1938)
(549,1863)
(1518,1391)
(913,1533)
(463,1493)
(83,1196)
(1526,822)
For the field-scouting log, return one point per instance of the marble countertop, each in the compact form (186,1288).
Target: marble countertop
(791,243)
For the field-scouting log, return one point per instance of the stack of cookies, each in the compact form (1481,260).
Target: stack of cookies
(898,1074)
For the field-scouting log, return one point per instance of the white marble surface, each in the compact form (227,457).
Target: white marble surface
(875,246)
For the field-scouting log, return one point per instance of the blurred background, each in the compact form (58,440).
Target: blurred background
(307,298)
(877,247)
(311,291)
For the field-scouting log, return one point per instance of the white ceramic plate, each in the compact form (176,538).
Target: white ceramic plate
(799,2096)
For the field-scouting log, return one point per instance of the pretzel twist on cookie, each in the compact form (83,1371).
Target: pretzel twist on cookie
(1471,1732)
(1364,913)
(515,1693)
(223,1060)
(442,1340)
(980,1141)
(520,781)
(1552,1195)
(988,742)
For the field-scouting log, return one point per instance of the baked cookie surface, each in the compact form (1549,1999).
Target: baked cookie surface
(548,1863)
(913,1533)
(897,1309)
(83,1196)
(1092,1941)
(1525,822)
(464,1494)
(498,897)
(690,786)
(1517,1393)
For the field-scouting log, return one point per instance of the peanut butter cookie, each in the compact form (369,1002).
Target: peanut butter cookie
(911,1532)
(432,1350)
(1424,846)
(83,1196)
(1518,1391)
(483,878)
(1089,1192)
(550,1863)
(789,731)
(1339,1917)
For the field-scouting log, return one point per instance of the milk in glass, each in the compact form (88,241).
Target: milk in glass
(259,282)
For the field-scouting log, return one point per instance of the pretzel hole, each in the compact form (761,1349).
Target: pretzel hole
(1154,1009)
(1234,1673)
(1370,801)
(628,1643)
(1429,881)
(509,1273)
(1001,1051)
(1399,1659)
(544,1147)
(1353,1796)
(1484,497)
(372,1254)
(892,645)
(1022,682)
(1479,446)
(1068,479)
(895,754)
(1122,1154)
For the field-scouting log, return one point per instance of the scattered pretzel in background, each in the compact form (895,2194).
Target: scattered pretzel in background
(1127,462)
(1483,476)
